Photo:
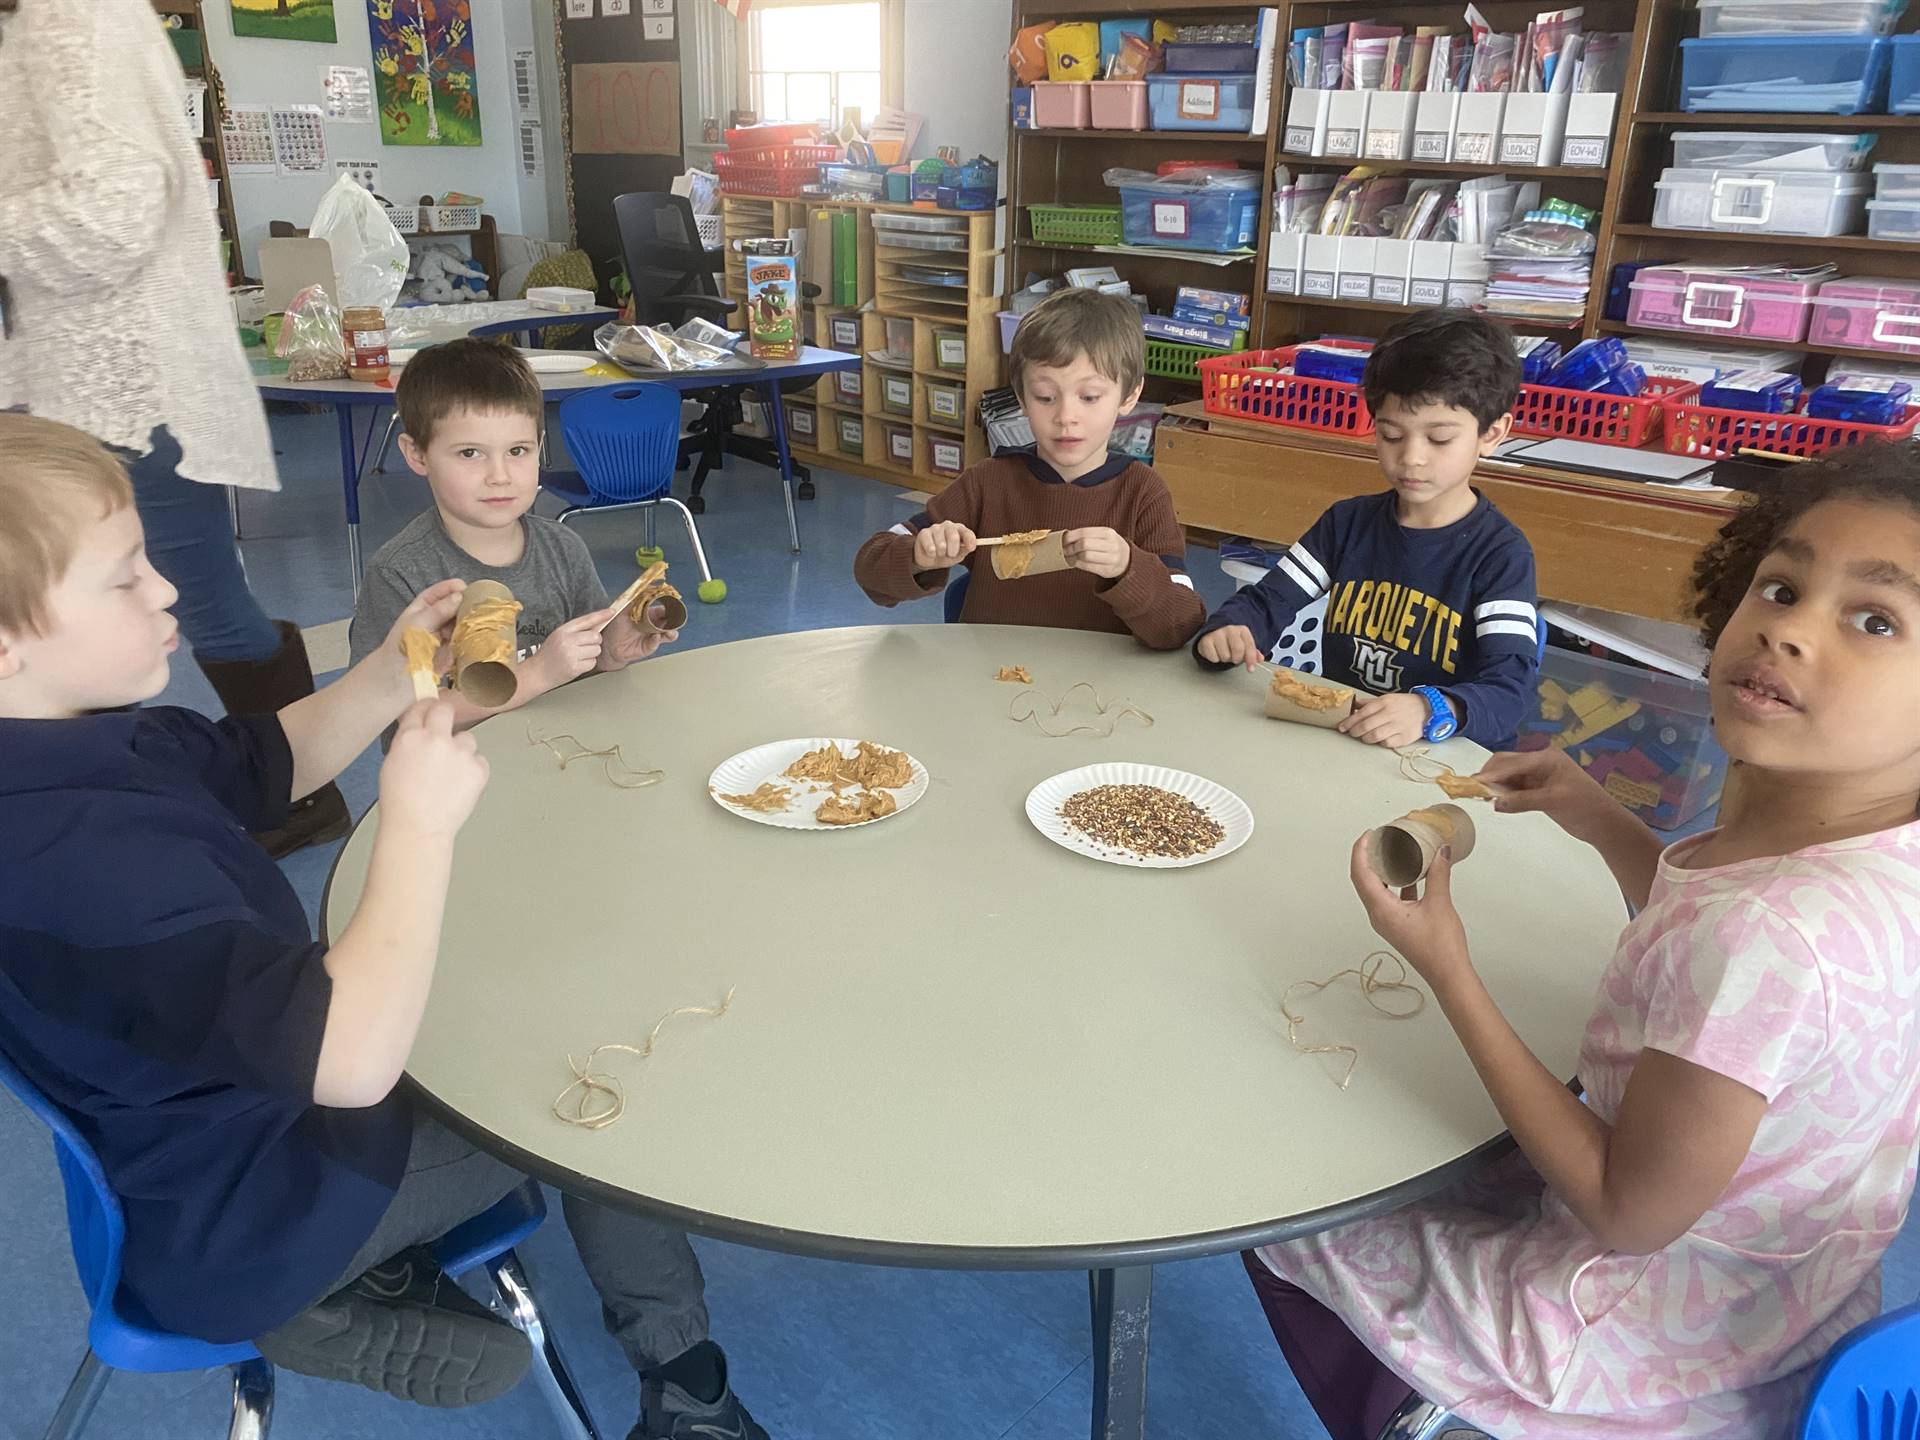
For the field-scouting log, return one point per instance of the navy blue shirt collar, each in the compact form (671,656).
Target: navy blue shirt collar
(1047,475)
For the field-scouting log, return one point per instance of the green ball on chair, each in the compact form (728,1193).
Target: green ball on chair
(648,555)
(712,591)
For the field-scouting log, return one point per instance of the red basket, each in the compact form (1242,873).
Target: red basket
(753,137)
(1249,386)
(779,170)
(1696,429)
(1603,419)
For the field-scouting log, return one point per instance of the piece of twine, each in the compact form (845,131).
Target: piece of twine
(1372,985)
(1113,712)
(1451,781)
(590,1082)
(636,778)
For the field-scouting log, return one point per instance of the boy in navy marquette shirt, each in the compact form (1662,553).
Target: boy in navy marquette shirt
(158,983)
(1430,589)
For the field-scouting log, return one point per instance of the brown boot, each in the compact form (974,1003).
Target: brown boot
(263,687)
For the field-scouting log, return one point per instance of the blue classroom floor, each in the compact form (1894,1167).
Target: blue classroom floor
(820,1351)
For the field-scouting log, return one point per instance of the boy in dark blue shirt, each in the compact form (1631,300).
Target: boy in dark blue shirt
(158,983)
(1430,590)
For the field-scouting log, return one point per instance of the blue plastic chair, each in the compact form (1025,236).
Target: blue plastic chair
(120,1336)
(955,598)
(625,444)
(1868,1387)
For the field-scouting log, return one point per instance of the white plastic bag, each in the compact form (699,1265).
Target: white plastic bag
(370,258)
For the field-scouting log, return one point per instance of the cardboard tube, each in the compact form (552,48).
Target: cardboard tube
(1281,705)
(485,643)
(1017,560)
(1402,851)
(664,598)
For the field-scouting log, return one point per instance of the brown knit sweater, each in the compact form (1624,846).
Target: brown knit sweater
(1154,600)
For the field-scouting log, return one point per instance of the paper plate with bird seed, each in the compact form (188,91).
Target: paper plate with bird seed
(1141,815)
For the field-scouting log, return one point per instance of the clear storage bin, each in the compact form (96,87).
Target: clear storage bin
(923,224)
(910,240)
(1896,182)
(1866,312)
(1645,736)
(1804,75)
(1220,216)
(1799,17)
(1062,105)
(1894,219)
(1770,150)
(1760,202)
(1200,102)
(1719,302)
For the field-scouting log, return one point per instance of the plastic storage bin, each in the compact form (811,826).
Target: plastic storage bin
(946,404)
(1119,104)
(1868,313)
(1770,150)
(1593,416)
(1761,202)
(1258,386)
(1219,216)
(899,441)
(1646,737)
(1903,85)
(1009,322)
(850,435)
(781,170)
(1893,219)
(1076,224)
(1896,182)
(1189,58)
(1674,297)
(1806,75)
(1798,17)
(1200,102)
(920,224)
(1062,105)
(1696,429)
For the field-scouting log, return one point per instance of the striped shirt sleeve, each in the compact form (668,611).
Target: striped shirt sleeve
(1303,575)
(884,565)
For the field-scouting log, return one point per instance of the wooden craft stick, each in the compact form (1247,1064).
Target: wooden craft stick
(648,576)
(1748,452)
(419,648)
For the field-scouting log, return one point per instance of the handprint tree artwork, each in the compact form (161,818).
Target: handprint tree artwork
(423,71)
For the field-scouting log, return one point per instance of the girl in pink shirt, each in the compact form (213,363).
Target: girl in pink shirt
(1670,1258)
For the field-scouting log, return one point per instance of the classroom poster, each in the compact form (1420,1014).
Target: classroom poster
(285,20)
(424,76)
(299,139)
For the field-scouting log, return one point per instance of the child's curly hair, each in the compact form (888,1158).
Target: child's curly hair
(1888,474)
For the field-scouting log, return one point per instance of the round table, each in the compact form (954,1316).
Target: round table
(954,1043)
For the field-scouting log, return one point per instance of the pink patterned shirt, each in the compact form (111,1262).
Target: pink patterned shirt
(1797,976)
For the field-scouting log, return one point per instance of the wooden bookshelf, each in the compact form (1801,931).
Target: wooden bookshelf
(187,17)
(921,315)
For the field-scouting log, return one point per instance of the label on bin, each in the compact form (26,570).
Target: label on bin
(1431,144)
(1170,218)
(1283,282)
(1520,149)
(1427,292)
(1318,284)
(800,421)
(1199,99)
(1584,150)
(900,443)
(1344,144)
(846,333)
(1474,149)
(1299,140)
(1386,145)
(1389,290)
(849,383)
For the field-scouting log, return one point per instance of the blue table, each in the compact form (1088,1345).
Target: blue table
(344,397)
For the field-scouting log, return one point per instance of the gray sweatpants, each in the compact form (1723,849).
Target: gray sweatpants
(652,1294)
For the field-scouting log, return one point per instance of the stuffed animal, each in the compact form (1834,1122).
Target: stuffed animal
(444,276)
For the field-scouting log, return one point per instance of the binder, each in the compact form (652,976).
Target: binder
(846,258)
(820,256)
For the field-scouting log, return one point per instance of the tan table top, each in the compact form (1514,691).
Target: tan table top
(953,1041)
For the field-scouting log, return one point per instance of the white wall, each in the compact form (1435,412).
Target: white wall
(287,72)
(956,73)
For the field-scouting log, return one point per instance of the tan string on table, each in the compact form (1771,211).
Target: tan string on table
(1455,785)
(1372,985)
(635,778)
(1113,712)
(582,1111)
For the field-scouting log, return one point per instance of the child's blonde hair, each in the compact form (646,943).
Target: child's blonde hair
(1104,328)
(51,477)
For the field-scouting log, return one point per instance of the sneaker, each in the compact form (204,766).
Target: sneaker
(668,1412)
(407,1330)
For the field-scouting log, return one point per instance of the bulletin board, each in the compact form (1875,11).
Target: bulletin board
(621,109)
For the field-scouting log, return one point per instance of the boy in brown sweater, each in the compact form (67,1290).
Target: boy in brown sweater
(1077,364)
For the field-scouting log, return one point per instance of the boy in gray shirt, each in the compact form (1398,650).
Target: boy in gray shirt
(472,413)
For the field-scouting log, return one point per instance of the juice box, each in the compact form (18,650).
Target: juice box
(773,307)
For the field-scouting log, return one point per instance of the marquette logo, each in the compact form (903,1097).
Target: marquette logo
(1388,620)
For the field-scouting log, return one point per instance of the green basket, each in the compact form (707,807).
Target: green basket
(1172,360)
(1075,224)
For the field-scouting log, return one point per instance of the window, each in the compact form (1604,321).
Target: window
(813,60)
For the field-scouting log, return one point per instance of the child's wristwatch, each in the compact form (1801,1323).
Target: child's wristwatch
(1442,719)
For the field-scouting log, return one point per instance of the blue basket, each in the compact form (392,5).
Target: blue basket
(1188,58)
(1200,102)
(1903,89)
(1216,219)
(1831,74)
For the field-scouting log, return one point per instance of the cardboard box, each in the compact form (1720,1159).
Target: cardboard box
(1428,270)
(1319,267)
(1354,277)
(1532,128)
(1284,253)
(1392,264)
(1434,117)
(1346,124)
(1390,118)
(1306,132)
(1189,332)
(773,307)
(1476,130)
(1589,137)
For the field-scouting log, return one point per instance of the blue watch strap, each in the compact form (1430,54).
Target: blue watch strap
(1442,719)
